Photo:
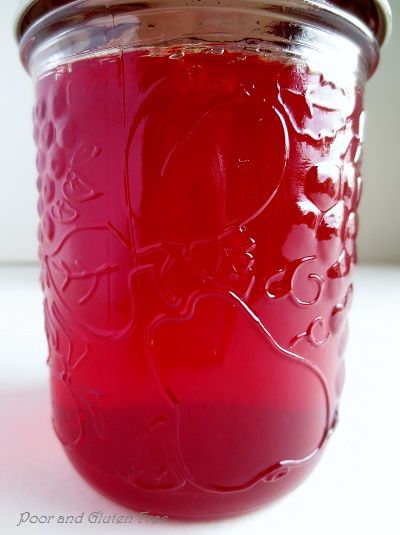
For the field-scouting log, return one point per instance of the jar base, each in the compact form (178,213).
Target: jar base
(188,503)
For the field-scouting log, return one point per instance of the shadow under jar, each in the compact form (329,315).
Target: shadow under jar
(199,177)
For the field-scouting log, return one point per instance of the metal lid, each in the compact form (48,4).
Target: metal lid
(378,18)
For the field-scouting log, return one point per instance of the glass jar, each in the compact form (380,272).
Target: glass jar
(199,178)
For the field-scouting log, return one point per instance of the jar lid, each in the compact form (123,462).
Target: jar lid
(379,22)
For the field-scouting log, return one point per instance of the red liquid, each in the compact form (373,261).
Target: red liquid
(197,236)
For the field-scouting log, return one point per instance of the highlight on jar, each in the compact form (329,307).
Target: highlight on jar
(199,176)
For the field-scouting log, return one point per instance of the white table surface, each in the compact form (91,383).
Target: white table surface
(354,490)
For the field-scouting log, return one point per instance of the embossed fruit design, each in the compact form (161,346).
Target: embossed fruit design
(242,399)
(217,139)
(198,219)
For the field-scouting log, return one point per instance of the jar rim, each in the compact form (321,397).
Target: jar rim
(30,11)
(384,29)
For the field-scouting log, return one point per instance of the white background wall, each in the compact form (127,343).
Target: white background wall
(379,239)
